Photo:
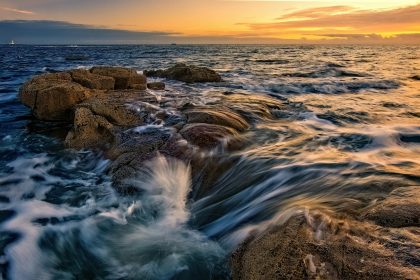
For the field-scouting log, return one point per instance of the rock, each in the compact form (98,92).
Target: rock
(206,135)
(415,77)
(89,130)
(219,116)
(135,147)
(115,111)
(125,78)
(139,86)
(186,73)
(92,81)
(142,141)
(76,57)
(156,86)
(252,106)
(401,208)
(52,97)
(321,247)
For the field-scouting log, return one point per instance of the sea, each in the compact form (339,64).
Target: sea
(353,136)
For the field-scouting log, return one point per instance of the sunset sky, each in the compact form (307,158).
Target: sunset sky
(210,21)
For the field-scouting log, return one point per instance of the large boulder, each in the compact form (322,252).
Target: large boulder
(186,73)
(92,81)
(125,78)
(52,97)
(206,135)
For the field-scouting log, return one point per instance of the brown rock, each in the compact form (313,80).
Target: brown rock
(89,130)
(125,78)
(206,135)
(221,116)
(92,81)
(186,73)
(115,111)
(139,86)
(320,247)
(156,86)
(253,106)
(52,97)
(401,208)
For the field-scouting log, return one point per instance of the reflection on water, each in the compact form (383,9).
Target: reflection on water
(352,135)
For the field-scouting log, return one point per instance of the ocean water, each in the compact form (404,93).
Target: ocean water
(353,135)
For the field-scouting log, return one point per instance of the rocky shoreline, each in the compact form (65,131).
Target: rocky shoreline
(116,110)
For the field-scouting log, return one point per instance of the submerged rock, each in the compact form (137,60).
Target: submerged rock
(76,57)
(186,73)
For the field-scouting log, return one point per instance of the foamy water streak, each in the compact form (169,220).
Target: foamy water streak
(145,237)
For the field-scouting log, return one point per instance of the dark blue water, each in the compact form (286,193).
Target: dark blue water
(353,136)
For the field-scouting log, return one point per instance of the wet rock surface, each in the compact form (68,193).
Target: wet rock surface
(400,209)
(156,86)
(186,73)
(314,245)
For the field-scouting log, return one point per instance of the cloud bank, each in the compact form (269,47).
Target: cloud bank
(58,32)
(343,20)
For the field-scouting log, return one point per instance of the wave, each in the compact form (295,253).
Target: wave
(325,73)
(146,237)
(332,87)
(272,61)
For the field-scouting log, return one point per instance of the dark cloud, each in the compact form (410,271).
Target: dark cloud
(57,32)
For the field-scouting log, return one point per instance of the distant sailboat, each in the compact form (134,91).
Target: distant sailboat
(12,42)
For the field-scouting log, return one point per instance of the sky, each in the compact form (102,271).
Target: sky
(209,21)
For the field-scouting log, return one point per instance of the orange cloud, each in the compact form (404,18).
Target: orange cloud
(315,12)
(344,18)
(17,11)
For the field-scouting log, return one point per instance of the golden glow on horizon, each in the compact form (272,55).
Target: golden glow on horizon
(238,18)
